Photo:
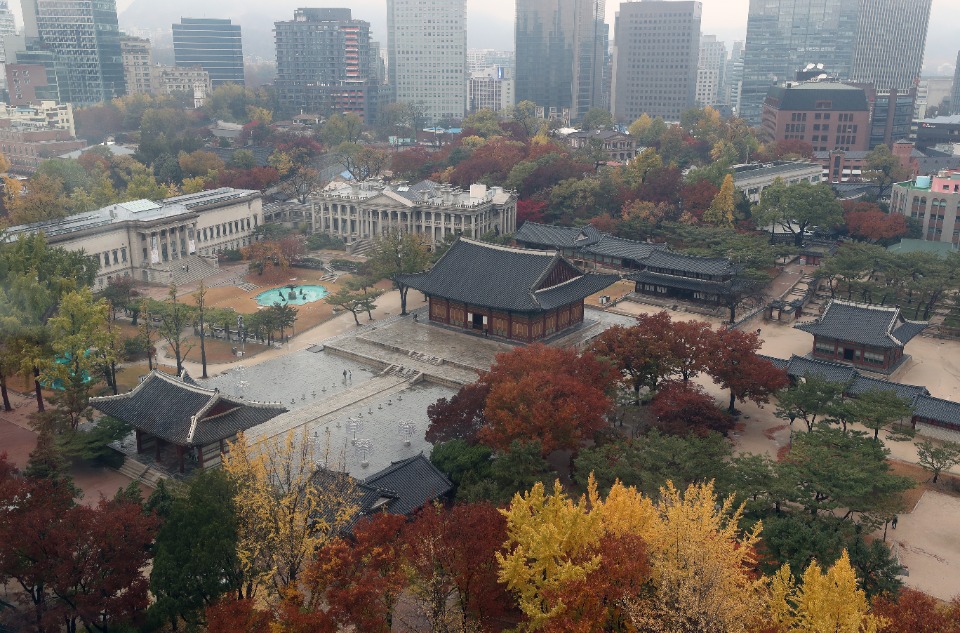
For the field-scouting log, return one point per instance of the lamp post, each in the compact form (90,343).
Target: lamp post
(243,339)
(793,416)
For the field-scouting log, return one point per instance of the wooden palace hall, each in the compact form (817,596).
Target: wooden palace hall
(516,294)
(181,423)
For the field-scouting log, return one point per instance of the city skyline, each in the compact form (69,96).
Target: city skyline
(491,22)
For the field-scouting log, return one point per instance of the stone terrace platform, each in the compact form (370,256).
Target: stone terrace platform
(444,355)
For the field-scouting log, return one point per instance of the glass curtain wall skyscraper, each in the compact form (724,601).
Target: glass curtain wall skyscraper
(561,47)
(427,56)
(212,44)
(783,36)
(84,37)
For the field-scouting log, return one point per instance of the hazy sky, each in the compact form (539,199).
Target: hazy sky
(490,22)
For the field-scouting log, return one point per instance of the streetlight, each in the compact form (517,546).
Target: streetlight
(243,339)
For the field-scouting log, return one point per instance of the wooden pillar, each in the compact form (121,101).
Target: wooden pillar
(200,457)
(139,441)
(180,456)
(447,318)
(157,443)
(510,325)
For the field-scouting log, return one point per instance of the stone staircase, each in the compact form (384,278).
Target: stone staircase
(197,268)
(362,247)
(141,472)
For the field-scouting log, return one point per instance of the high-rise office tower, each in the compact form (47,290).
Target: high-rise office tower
(7,27)
(711,69)
(955,94)
(212,44)
(890,43)
(84,37)
(561,47)
(656,50)
(783,36)
(734,77)
(427,56)
(326,63)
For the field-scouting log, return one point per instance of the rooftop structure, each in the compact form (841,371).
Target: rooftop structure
(169,413)
(511,293)
(618,147)
(867,336)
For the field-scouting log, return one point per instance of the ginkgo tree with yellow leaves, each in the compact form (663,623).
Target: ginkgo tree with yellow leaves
(700,574)
(287,507)
(822,601)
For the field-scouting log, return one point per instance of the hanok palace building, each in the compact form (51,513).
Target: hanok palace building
(182,423)
(866,336)
(516,294)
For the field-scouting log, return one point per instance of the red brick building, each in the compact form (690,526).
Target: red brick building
(27,148)
(828,115)
(510,293)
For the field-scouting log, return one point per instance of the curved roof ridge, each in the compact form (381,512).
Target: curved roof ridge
(509,249)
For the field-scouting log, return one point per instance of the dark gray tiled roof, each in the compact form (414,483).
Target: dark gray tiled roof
(502,278)
(610,246)
(669,260)
(164,407)
(862,384)
(400,488)
(414,480)
(863,324)
(418,192)
(799,366)
(557,236)
(937,409)
(807,96)
(779,363)
(686,283)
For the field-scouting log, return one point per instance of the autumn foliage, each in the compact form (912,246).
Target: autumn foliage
(554,395)
(683,408)
(869,223)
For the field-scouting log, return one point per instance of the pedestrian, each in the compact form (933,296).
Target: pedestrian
(344,375)
(188,267)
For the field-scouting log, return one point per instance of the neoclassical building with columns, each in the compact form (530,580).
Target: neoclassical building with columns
(152,240)
(365,210)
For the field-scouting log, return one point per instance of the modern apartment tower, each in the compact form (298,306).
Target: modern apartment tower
(890,43)
(657,48)
(326,63)
(733,77)
(212,44)
(427,56)
(784,36)
(137,64)
(84,37)
(561,47)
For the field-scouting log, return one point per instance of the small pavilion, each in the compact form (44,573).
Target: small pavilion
(182,423)
(516,294)
(865,336)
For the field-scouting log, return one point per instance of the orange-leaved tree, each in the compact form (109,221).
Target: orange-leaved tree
(553,395)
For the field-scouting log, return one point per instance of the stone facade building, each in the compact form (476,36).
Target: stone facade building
(365,210)
(151,240)
(934,201)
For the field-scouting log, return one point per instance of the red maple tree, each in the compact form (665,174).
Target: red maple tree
(683,408)
(357,582)
(556,396)
(734,364)
(641,353)
(912,611)
(460,417)
(868,222)
(453,571)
